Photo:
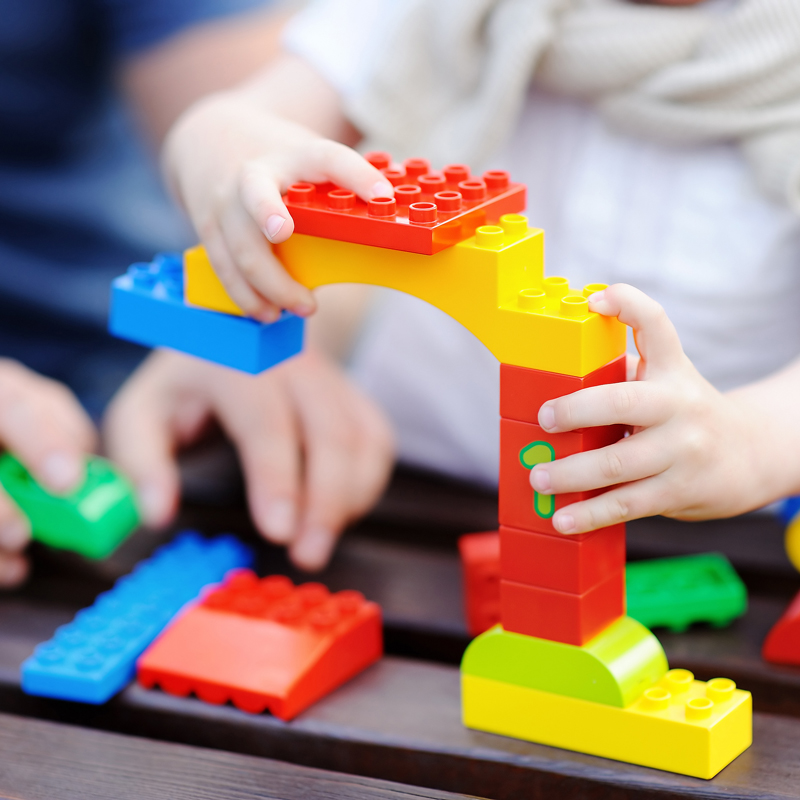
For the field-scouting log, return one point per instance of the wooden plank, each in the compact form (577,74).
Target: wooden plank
(50,761)
(400,721)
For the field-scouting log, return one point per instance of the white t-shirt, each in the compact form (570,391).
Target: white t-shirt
(687,225)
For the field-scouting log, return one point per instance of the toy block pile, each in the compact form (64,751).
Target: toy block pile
(458,242)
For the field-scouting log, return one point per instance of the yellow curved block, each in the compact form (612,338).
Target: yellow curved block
(492,283)
(697,731)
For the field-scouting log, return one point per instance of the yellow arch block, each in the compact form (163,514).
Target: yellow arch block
(492,283)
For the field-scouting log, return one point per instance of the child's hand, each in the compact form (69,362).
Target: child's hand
(43,424)
(693,453)
(229,161)
(316,453)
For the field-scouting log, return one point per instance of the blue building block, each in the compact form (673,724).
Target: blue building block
(91,658)
(789,508)
(147,307)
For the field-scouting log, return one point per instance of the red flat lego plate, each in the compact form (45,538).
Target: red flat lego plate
(430,210)
(265,644)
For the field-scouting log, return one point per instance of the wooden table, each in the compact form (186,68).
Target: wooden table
(399,721)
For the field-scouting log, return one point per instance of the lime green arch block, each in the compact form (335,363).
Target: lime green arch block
(614,668)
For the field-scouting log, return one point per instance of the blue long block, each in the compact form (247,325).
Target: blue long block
(91,658)
(147,307)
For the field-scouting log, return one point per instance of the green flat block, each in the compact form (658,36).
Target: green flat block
(92,521)
(614,668)
(675,592)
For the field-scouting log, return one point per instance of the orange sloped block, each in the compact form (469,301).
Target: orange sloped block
(265,644)
(782,645)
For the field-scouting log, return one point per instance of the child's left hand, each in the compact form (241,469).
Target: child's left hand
(694,453)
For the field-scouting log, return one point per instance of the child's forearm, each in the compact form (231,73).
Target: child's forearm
(772,406)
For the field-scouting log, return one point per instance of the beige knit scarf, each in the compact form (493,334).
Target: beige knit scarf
(455,73)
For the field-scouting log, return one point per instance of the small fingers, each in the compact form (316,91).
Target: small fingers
(256,264)
(638,403)
(628,460)
(635,500)
(656,338)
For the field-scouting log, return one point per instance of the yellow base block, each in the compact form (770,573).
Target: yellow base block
(658,730)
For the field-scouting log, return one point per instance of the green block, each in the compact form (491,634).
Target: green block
(92,521)
(675,592)
(614,668)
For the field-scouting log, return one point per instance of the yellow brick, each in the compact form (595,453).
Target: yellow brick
(202,286)
(492,284)
(645,733)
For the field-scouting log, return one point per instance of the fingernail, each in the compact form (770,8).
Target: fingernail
(14,535)
(597,296)
(564,523)
(382,189)
(540,479)
(62,471)
(547,417)
(302,309)
(13,571)
(155,503)
(313,549)
(269,315)
(273,227)
(279,520)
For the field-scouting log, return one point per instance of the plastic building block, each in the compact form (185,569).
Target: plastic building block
(147,307)
(523,391)
(562,616)
(792,541)
(93,520)
(614,668)
(564,563)
(782,645)
(265,644)
(521,507)
(202,287)
(675,592)
(492,283)
(430,210)
(480,560)
(679,725)
(93,657)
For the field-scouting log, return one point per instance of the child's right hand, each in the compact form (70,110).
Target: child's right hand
(229,161)
(43,424)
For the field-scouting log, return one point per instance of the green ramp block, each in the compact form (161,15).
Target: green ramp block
(614,668)
(675,592)
(92,521)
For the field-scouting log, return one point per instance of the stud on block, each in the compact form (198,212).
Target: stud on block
(676,592)
(429,211)
(480,562)
(93,520)
(523,391)
(147,307)
(613,668)
(563,563)
(265,644)
(519,506)
(680,725)
(562,616)
(92,658)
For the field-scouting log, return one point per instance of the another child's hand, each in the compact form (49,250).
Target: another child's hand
(693,451)
(43,424)
(315,452)
(229,161)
